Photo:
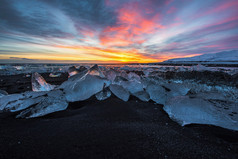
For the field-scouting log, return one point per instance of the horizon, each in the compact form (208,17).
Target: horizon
(115,31)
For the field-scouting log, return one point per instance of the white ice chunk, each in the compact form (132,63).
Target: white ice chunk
(8,99)
(17,102)
(120,92)
(85,88)
(157,93)
(187,110)
(104,94)
(39,83)
(19,105)
(48,105)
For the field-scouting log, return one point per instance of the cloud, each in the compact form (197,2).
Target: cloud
(115,30)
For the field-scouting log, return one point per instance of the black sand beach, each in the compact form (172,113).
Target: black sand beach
(107,129)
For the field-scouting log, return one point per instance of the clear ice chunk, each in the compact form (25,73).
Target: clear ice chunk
(5,100)
(72,71)
(84,88)
(132,86)
(39,83)
(55,101)
(157,93)
(95,70)
(134,77)
(142,95)
(120,92)
(104,94)
(185,110)
(111,74)
(73,80)
(176,89)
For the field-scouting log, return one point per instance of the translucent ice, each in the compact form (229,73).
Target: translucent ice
(157,93)
(4,100)
(3,93)
(142,95)
(55,101)
(104,94)
(72,71)
(39,83)
(95,70)
(132,86)
(120,92)
(84,88)
(133,76)
(187,110)
(17,102)
(176,89)
(111,74)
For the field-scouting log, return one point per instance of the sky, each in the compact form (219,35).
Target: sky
(115,31)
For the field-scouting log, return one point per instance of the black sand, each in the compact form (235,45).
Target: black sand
(109,129)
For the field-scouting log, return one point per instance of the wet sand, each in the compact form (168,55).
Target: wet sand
(108,129)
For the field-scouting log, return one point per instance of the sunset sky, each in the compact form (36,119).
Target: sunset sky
(108,31)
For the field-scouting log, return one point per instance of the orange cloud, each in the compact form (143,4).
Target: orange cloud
(132,24)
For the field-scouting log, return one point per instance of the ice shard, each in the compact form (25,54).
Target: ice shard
(157,93)
(95,70)
(55,101)
(111,74)
(104,94)
(84,88)
(120,92)
(39,83)
(142,95)
(72,71)
(134,77)
(185,110)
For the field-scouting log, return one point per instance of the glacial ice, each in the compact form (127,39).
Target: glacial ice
(187,110)
(84,88)
(55,101)
(3,93)
(95,70)
(157,93)
(134,77)
(120,92)
(111,74)
(104,94)
(142,95)
(185,102)
(132,86)
(72,71)
(8,99)
(39,83)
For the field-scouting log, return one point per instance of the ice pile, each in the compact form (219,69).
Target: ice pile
(186,102)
